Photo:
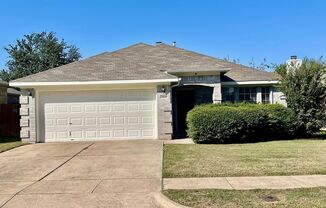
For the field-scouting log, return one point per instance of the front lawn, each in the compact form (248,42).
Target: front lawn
(7,143)
(294,157)
(291,198)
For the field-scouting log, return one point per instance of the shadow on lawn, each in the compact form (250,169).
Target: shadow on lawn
(319,135)
(9,139)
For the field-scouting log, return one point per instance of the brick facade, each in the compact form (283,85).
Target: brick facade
(27,116)
(164,112)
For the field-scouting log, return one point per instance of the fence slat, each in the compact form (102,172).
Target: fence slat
(9,120)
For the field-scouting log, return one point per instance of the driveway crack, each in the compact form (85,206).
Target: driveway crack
(96,186)
(72,157)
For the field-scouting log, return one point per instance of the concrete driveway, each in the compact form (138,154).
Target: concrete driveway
(81,174)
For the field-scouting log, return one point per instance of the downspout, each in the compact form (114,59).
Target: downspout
(173,108)
(178,84)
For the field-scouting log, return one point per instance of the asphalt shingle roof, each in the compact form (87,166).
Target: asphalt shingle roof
(141,62)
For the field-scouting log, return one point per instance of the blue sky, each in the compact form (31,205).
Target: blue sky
(246,30)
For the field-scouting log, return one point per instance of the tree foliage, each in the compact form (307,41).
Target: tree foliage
(305,91)
(37,52)
(264,65)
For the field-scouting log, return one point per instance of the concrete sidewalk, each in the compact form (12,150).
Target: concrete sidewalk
(246,183)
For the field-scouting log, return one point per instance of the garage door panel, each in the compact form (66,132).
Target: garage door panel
(76,108)
(118,133)
(62,122)
(132,120)
(118,120)
(120,108)
(62,108)
(133,107)
(105,119)
(76,121)
(104,134)
(90,121)
(90,108)
(61,134)
(147,133)
(147,107)
(104,108)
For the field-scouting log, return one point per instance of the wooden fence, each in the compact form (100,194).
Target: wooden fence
(9,120)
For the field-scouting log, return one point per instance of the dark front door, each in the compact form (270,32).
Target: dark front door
(184,99)
(185,102)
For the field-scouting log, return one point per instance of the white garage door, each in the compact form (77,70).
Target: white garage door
(98,115)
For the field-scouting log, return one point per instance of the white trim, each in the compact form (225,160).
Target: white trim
(37,114)
(250,82)
(201,71)
(113,82)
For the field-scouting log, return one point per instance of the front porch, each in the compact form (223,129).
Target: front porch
(185,98)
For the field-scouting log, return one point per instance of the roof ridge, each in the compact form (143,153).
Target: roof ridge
(183,49)
(133,45)
(212,57)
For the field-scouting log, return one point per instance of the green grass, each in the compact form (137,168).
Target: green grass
(8,143)
(294,157)
(291,198)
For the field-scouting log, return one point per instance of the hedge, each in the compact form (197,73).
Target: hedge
(240,123)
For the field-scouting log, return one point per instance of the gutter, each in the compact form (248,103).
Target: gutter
(75,83)
(250,82)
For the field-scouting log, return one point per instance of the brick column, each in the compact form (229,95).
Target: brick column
(259,95)
(217,93)
(164,112)
(27,116)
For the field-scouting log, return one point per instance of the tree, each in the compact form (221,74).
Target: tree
(37,52)
(264,66)
(235,61)
(305,91)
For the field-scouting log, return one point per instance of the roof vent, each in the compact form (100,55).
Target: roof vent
(174,44)
(159,43)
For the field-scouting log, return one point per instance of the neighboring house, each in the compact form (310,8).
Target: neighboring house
(3,92)
(9,110)
(12,96)
(138,92)
(8,95)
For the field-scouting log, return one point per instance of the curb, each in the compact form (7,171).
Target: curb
(162,201)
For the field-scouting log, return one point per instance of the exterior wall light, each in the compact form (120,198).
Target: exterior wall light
(163,89)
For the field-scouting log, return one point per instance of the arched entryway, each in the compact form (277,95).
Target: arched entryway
(184,98)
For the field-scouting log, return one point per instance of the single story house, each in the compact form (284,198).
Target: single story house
(138,92)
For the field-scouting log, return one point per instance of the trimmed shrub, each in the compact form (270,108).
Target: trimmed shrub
(240,123)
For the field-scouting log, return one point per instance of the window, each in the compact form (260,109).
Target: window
(265,95)
(247,94)
(228,94)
